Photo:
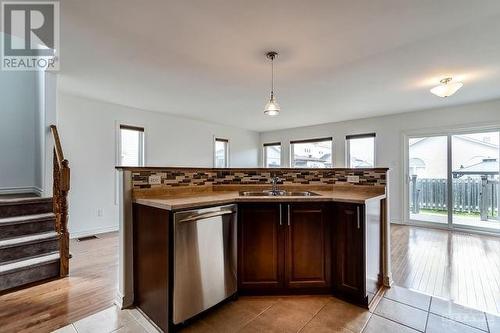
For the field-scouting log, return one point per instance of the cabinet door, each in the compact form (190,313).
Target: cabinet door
(307,246)
(349,251)
(260,247)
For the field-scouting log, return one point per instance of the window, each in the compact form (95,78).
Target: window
(221,157)
(313,153)
(360,150)
(131,146)
(272,155)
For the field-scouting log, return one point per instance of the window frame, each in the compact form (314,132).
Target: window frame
(142,143)
(264,153)
(226,153)
(322,139)
(348,139)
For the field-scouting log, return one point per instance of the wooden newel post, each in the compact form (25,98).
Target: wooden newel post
(61,175)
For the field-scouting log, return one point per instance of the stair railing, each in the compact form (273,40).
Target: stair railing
(61,180)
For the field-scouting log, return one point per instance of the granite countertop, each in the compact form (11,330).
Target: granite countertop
(228,197)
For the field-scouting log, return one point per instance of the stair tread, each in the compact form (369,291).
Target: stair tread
(23,201)
(5,268)
(27,239)
(26,218)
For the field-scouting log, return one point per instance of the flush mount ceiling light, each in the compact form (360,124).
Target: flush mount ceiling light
(446,88)
(272,107)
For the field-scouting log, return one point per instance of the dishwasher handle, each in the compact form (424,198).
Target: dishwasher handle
(208,215)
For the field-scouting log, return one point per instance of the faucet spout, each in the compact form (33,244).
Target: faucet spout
(274,182)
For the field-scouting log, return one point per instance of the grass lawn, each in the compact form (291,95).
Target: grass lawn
(444,212)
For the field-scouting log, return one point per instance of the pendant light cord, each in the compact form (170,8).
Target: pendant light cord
(272,76)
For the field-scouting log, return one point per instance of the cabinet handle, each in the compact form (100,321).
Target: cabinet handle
(357,210)
(289,215)
(281,213)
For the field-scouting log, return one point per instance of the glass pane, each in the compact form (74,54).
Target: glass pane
(130,147)
(475,179)
(362,153)
(428,164)
(220,154)
(312,154)
(272,156)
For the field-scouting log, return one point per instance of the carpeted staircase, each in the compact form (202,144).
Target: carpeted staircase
(29,243)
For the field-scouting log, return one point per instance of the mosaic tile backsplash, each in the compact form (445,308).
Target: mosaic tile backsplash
(171,177)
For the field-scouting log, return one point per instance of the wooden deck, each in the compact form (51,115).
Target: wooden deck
(91,287)
(453,265)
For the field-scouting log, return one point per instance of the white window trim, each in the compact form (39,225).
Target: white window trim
(264,154)
(290,144)
(142,146)
(118,149)
(215,139)
(348,150)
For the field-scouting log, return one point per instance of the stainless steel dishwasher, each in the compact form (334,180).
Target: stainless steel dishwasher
(205,257)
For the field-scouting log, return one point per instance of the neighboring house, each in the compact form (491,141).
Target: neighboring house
(313,155)
(488,167)
(428,156)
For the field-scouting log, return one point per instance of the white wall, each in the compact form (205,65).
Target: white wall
(88,134)
(389,140)
(18,146)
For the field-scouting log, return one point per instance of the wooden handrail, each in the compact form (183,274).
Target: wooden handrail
(57,143)
(61,186)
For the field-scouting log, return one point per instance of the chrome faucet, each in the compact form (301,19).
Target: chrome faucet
(275,187)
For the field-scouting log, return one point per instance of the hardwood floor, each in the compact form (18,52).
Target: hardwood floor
(91,287)
(453,265)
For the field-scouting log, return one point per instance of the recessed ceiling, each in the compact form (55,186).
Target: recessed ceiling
(339,60)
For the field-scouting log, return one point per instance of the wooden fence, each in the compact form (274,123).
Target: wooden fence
(470,195)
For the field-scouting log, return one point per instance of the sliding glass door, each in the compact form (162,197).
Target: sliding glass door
(475,180)
(428,179)
(453,180)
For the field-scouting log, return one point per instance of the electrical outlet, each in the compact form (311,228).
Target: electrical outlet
(353,179)
(99,212)
(154,180)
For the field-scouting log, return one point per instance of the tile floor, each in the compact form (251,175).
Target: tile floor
(400,310)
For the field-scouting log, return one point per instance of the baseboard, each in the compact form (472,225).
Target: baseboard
(91,232)
(22,189)
(123,302)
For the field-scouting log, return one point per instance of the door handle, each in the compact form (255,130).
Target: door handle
(289,215)
(357,215)
(206,216)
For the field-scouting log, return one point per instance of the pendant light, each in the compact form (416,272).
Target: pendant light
(272,107)
(446,88)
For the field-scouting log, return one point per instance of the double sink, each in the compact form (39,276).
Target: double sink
(278,193)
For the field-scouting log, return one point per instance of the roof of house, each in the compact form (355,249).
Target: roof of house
(488,166)
(463,137)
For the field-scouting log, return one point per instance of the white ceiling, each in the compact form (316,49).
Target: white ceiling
(339,60)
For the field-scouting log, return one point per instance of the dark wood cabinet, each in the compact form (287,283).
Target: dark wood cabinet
(151,262)
(349,248)
(307,246)
(284,247)
(260,247)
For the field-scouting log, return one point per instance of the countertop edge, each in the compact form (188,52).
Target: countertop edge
(153,202)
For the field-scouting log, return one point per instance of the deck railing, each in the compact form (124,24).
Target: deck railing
(471,195)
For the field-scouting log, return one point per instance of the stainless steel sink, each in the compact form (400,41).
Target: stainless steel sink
(277,194)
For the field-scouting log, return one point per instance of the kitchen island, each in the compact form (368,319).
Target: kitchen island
(327,242)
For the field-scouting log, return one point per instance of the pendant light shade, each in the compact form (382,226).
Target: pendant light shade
(446,88)
(272,107)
